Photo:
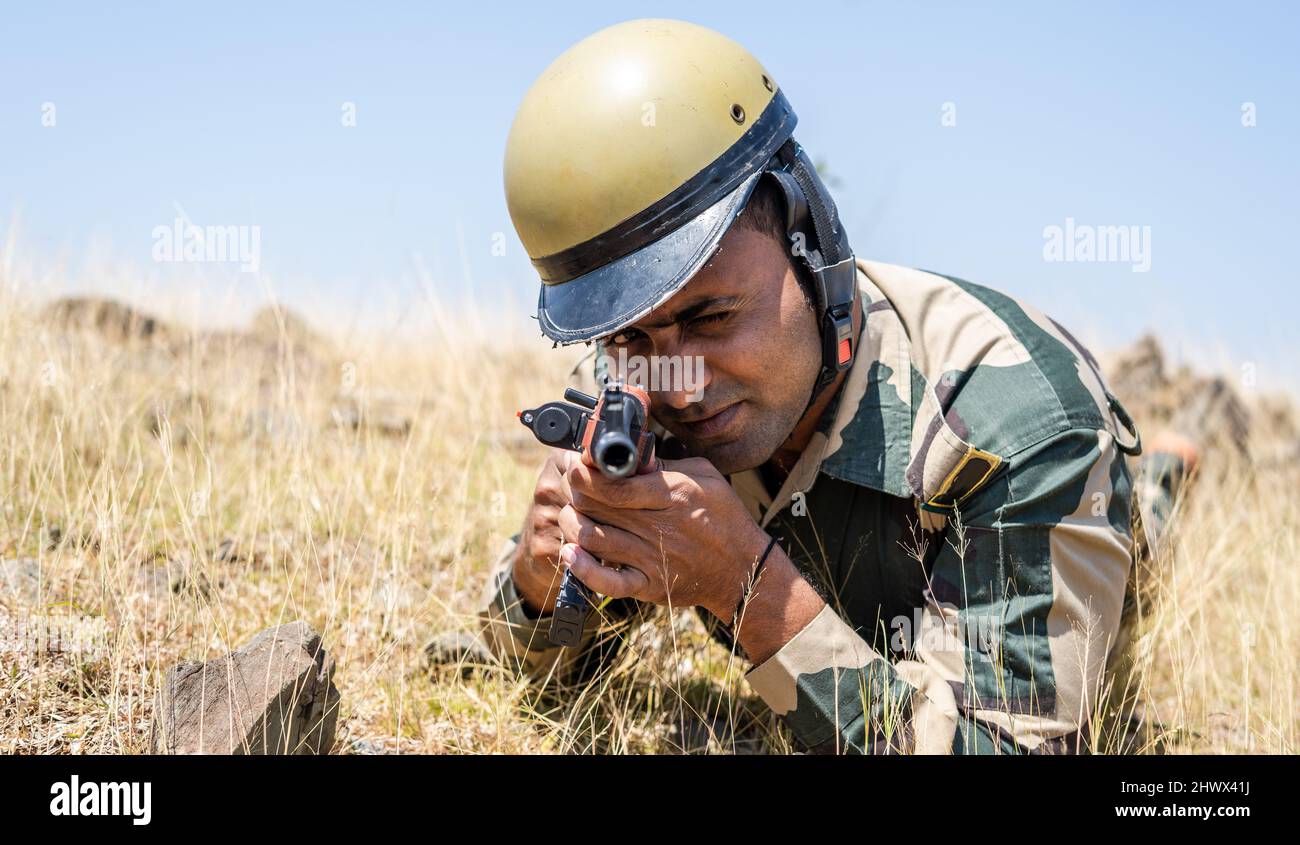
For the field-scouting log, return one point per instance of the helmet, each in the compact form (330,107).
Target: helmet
(632,155)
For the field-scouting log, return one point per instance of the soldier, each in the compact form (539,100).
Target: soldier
(901,495)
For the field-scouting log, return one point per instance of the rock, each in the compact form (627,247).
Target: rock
(180,416)
(20,580)
(114,320)
(521,445)
(261,550)
(1138,370)
(228,552)
(459,649)
(1214,417)
(384,745)
(274,695)
(157,580)
(284,427)
(1206,410)
(56,536)
(276,324)
(383,415)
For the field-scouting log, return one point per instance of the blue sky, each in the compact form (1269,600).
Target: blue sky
(1110,114)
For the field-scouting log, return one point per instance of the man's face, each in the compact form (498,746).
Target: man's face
(745,315)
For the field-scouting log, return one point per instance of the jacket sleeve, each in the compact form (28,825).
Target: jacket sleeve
(520,641)
(1022,611)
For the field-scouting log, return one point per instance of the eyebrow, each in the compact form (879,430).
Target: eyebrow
(691,311)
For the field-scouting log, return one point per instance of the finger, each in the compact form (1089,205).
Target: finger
(552,483)
(603,541)
(627,582)
(650,491)
(596,509)
(564,461)
(639,522)
(545,516)
(565,458)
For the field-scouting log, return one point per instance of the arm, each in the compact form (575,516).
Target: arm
(687,540)
(1023,610)
(836,693)
(515,627)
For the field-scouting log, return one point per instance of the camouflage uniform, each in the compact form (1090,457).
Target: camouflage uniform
(965,512)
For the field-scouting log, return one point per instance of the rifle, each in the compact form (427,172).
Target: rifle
(611,434)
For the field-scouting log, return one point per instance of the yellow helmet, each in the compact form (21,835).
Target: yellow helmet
(631,156)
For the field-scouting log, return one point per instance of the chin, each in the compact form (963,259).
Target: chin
(734,456)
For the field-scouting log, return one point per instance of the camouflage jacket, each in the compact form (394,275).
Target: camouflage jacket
(965,512)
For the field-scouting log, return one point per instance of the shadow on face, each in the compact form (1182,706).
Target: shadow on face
(729,360)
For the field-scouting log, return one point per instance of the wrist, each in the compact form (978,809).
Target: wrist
(536,592)
(780,606)
(732,594)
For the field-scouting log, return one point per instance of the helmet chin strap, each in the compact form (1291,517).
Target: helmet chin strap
(819,387)
(819,242)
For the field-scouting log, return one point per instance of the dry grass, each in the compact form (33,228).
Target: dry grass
(183,491)
(1220,640)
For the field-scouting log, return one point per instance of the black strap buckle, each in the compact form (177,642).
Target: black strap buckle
(1121,413)
(837,340)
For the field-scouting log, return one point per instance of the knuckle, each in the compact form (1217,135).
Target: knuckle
(589,534)
(582,501)
(543,527)
(559,461)
(618,495)
(544,552)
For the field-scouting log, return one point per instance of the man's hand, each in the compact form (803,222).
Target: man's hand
(678,536)
(536,573)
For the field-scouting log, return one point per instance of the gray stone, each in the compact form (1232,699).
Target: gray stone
(115,320)
(20,580)
(274,695)
(157,580)
(459,649)
(268,423)
(382,415)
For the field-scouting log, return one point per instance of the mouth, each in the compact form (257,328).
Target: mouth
(713,425)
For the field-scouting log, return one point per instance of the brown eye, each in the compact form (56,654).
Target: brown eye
(624,338)
(711,319)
